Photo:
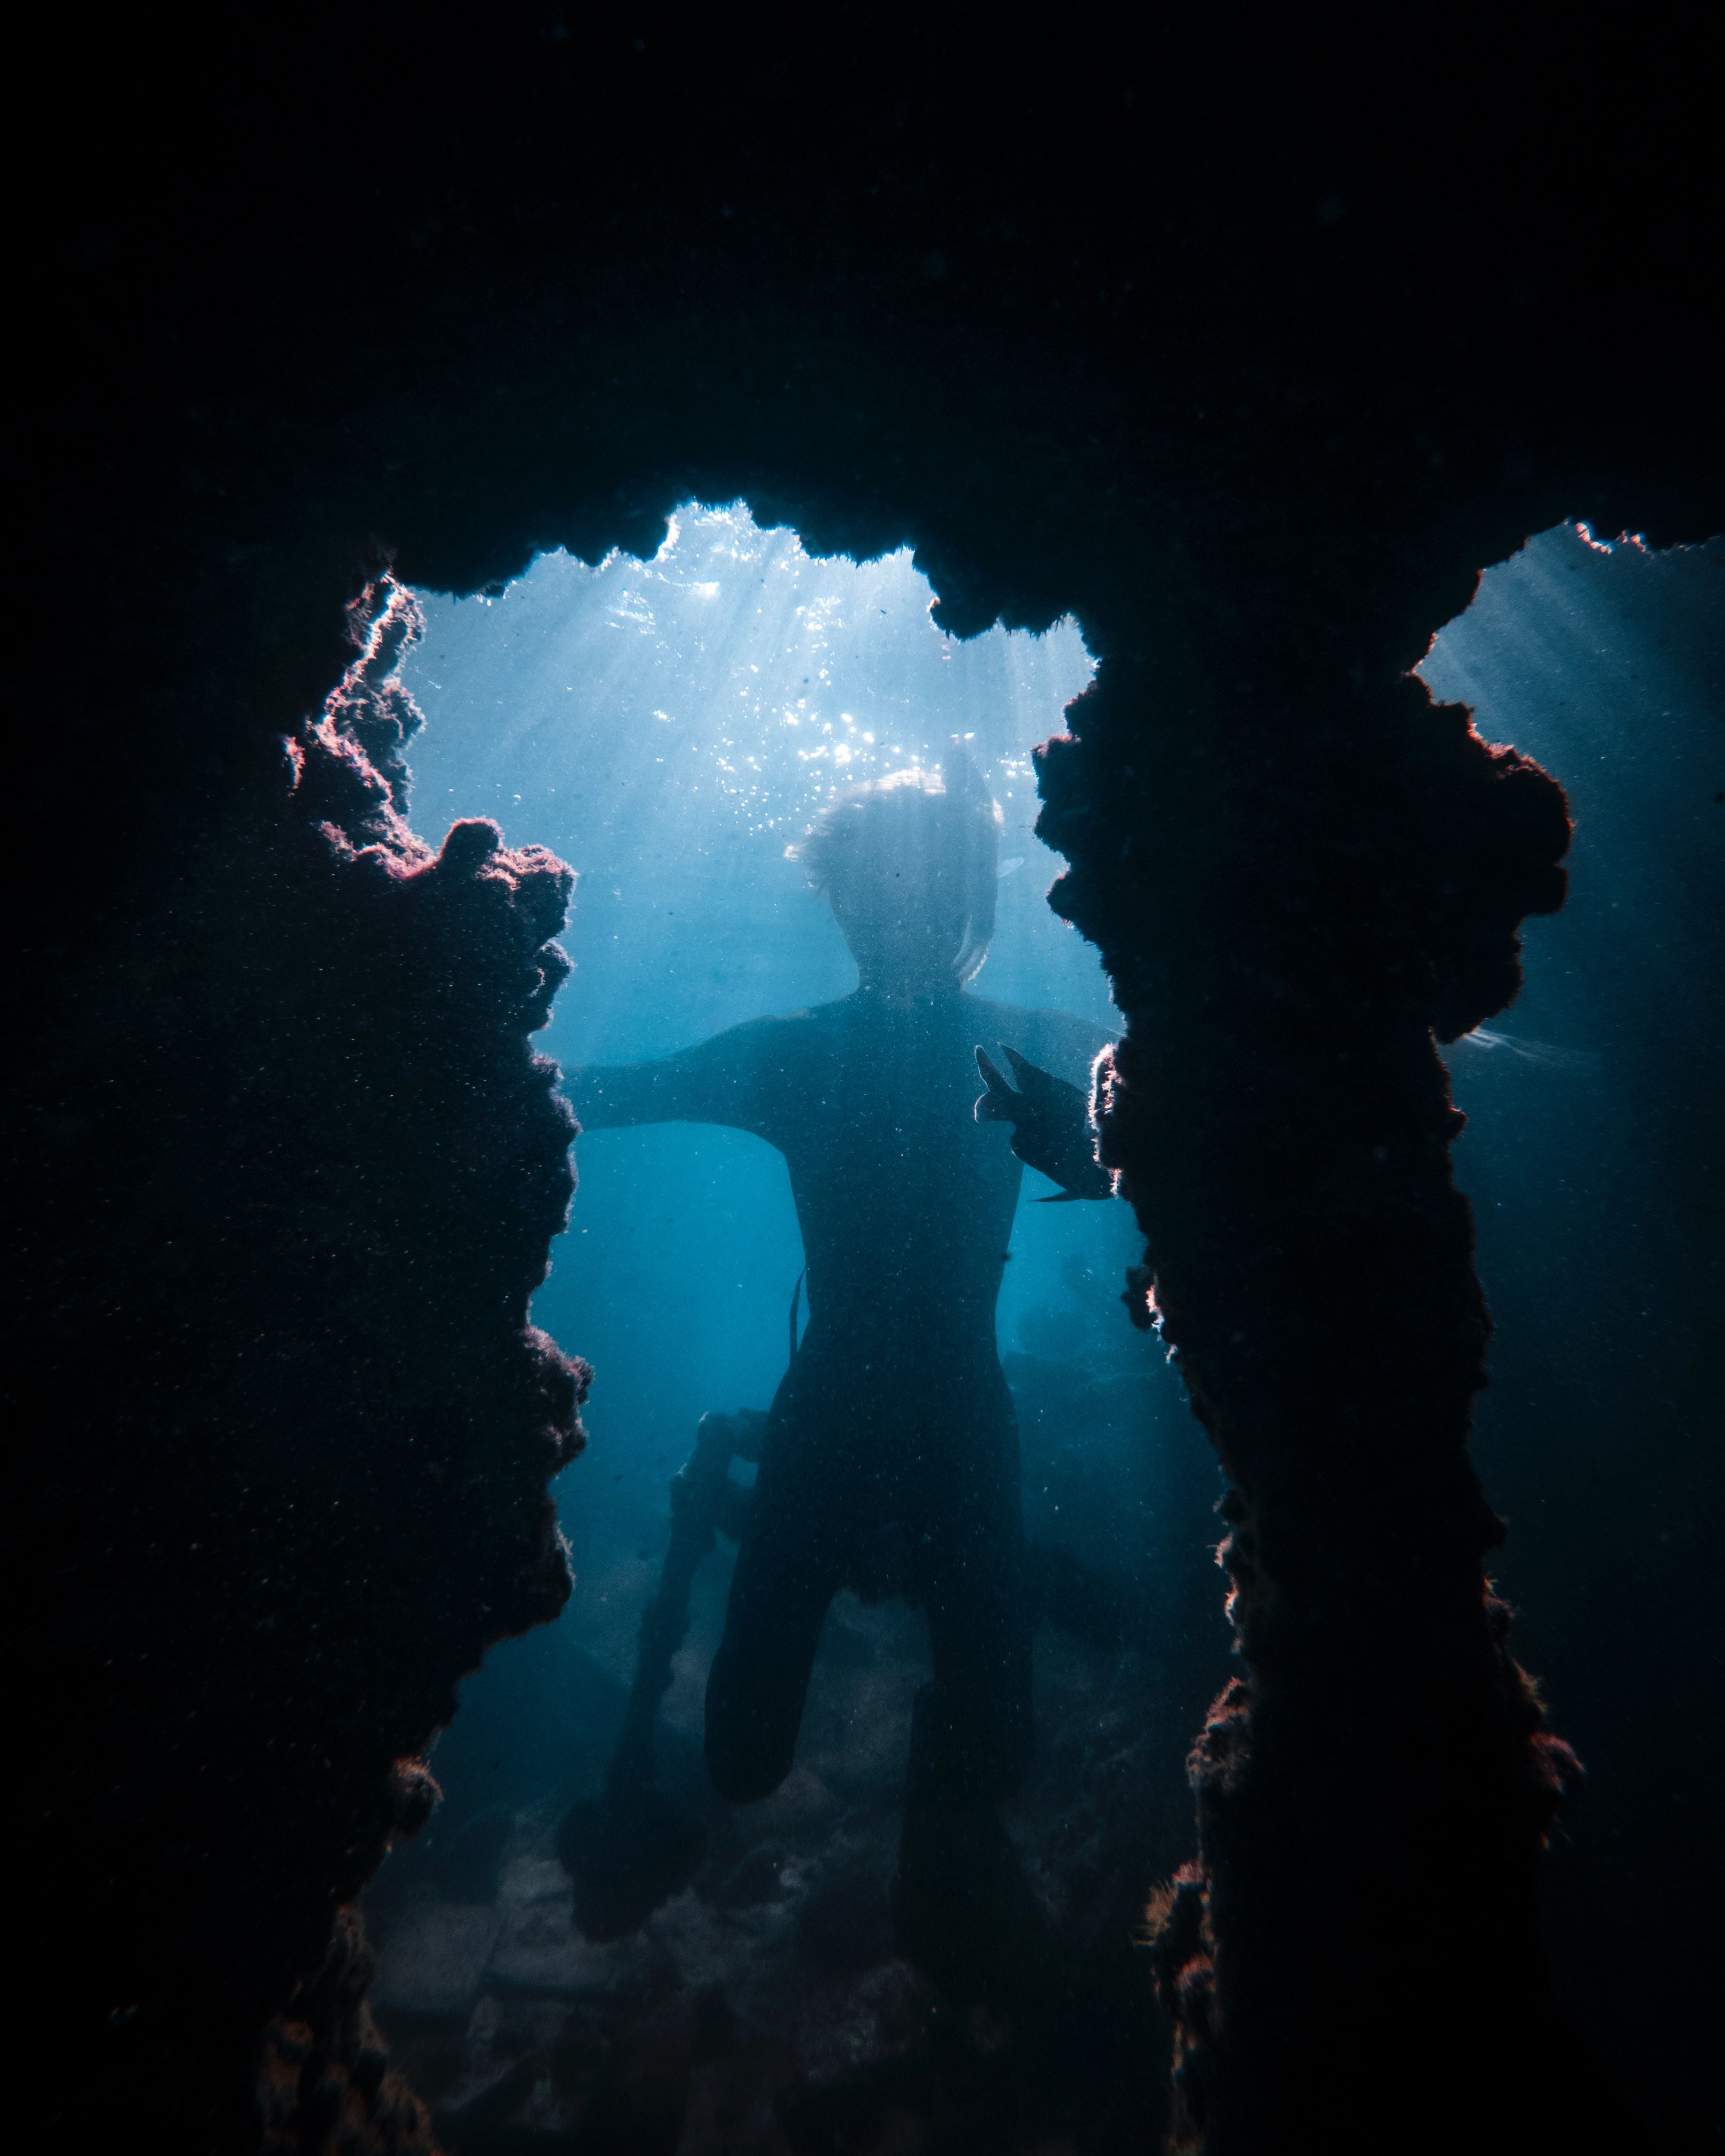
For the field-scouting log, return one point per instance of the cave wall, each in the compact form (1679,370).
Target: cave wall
(1253,361)
(301,1341)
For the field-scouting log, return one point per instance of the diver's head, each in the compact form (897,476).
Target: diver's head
(909,865)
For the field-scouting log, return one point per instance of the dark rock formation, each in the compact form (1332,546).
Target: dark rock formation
(296,1329)
(1374,1793)
(1251,355)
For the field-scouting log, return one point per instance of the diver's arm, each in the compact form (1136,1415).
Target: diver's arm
(1050,1124)
(730,1079)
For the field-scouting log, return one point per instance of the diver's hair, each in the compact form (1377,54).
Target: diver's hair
(945,819)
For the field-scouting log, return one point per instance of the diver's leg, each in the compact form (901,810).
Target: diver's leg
(964,1910)
(977,1734)
(779,1594)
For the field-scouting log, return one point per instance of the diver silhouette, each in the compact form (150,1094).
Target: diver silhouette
(889,1460)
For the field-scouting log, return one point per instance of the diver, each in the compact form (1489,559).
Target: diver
(890,1459)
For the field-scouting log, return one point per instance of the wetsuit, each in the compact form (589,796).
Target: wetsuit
(893,1429)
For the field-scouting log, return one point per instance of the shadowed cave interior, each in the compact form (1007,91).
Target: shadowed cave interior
(1242,357)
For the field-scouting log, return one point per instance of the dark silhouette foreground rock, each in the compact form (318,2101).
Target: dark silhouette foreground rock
(1252,356)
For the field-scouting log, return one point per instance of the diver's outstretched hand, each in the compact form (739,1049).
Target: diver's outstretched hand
(1050,1125)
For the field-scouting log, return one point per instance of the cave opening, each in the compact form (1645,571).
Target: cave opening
(672,726)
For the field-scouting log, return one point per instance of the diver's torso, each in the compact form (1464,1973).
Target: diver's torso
(906,1201)
(895,1408)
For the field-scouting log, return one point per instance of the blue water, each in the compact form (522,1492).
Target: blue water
(669,728)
